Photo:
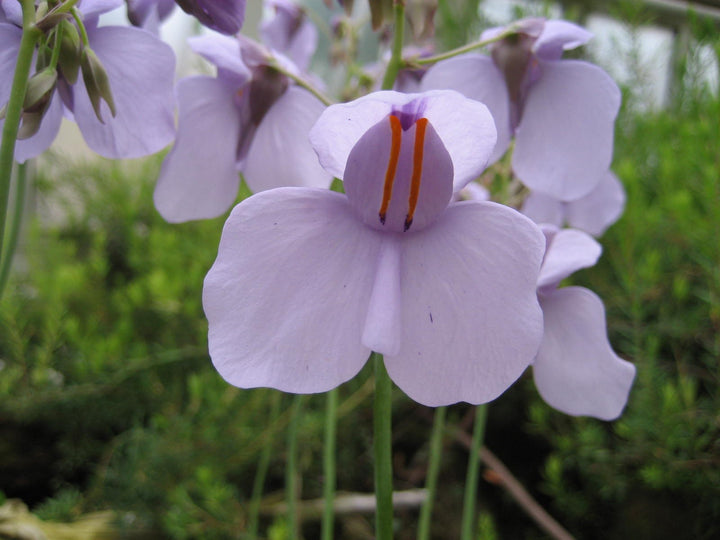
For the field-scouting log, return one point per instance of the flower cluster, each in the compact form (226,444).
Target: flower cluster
(459,296)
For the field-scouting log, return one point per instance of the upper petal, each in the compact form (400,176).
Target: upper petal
(10,36)
(476,77)
(558,36)
(93,8)
(223,52)
(600,208)
(280,153)
(543,208)
(471,320)
(141,71)
(199,177)
(287,297)
(576,371)
(567,251)
(564,141)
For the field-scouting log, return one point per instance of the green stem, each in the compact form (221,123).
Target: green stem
(436,439)
(13,111)
(471,481)
(297,79)
(416,62)
(395,62)
(328,519)
(383,451)
(14,230)
(56,48)
(291,470)
(75,12)
(261,473)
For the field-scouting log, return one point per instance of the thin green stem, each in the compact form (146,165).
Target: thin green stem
(291,469)
(329,468)
(13,110)
(13,233)
(395,62)
(471,480)
(75,12)
(383,451)
(416,62)
(56,48)
(297,79)
(262,468)
(436,439)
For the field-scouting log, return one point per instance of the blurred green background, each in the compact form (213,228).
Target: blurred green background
(108,400)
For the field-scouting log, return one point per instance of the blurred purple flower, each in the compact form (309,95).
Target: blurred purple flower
(140,69)
(593,213)
(308,281)
(561,112)
(249,118)
(224,16)
(576,371)
(148,14)
(290,32)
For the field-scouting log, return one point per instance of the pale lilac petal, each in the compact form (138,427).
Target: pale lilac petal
(280,153)
(13,12)
(543,208)
(599,209)
(287,297)
(366,170)
(34,146)
(224,16)
(93,8)
(465,127)
(10,36)
(382,331)
(558,36)
(141,71)
(471,321)
(531,26)
(476,77)
(223,52)
(290,32)
(149,13)
(576,371)
(567,251)
(473,192)
(199,177)
(564,142)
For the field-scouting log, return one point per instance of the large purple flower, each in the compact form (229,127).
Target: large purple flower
(593,213)
(576,371)
(248,118)
(140,70)
(561,112)
(308,281)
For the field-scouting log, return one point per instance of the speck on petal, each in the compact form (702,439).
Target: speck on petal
(576,370)
(287,298)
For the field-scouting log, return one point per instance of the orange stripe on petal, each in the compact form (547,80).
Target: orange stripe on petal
(392,166)
(418,151)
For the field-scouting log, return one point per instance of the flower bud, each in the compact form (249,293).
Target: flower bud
(96,82)
(70,52)
(380,11)
(39,91)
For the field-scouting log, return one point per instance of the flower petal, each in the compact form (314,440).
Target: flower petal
(223,52)
(543,208)
(476,77)
(287,297)
(199,177)
(465,127)
(471,321)
(564,142)
(280,153)
(10,36)
(141,71)
(576,370)
(93,8)
(567,251)
(600,208)
(558,36)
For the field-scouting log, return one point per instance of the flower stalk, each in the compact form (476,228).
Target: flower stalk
(329,465)
(291,469)
(383,450)
(395,62)
(436,439)
(31,34)
(467,530)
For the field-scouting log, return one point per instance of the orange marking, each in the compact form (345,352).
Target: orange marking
(418,150)
(392,166)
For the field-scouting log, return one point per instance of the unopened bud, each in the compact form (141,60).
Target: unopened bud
(38,87)
(380,11)
(70,52)
(96,82)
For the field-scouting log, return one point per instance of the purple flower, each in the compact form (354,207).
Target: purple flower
(148,14)
(561,112)
(593,213)
(576,371)
(308,281)
(248,118)
(140,69)
(290,32)
(224,16)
